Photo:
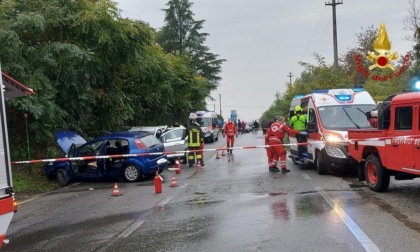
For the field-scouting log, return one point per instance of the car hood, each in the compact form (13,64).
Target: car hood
(66,138)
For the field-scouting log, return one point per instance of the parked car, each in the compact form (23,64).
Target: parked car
(155,130)
(131,169)
(173,138)
(248,128)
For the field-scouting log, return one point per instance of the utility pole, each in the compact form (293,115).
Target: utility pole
(290,76)
(333,3)
(220,101)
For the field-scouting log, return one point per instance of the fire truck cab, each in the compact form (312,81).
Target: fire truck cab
(8,205)
(393,149)
(330,114)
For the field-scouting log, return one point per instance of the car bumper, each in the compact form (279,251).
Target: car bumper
(175,156)
(160,165)
(337,158)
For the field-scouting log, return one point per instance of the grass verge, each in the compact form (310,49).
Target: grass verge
(31,182)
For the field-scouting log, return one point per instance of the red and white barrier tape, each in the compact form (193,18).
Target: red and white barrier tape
(204,150)
(150,154)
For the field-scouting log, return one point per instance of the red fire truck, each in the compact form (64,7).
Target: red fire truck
(8,205)
(393,149)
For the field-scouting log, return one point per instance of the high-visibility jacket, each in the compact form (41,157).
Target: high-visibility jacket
(195,136)
(298,122)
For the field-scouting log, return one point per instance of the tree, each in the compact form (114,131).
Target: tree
(181,36)
(92,71)
(412,23)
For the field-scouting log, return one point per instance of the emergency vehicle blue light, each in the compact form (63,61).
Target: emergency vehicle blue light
(417,85)
(321,91)
(343,97)
(358,89)
(298,96)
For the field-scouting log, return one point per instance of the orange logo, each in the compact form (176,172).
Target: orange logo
(383,57)
(382,46)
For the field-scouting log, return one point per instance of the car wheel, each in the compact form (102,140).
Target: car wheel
(132,173)
(62,178)
(212,138)
(377,177)
(320,165)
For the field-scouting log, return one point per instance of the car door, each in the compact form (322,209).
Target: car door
(115,147)
(400,152)
(174,140)
(90,167)
(416,142)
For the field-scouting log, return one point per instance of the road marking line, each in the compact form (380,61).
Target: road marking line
(137,224)
(163,202)
(353,227)
(306,176)
(131,229)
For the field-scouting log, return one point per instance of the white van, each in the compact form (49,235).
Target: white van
(208,123)
(330,113)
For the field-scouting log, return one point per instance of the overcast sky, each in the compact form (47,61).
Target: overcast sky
(263,40)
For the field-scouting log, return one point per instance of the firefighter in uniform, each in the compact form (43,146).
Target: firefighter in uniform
(298,122)
(277,132)
(230,131)
(195,143)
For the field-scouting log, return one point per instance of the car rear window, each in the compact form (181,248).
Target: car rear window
(150,140)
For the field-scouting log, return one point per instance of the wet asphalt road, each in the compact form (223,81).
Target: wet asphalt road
(231,204)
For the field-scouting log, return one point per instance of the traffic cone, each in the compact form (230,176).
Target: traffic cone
(177,167)
(217,155)
(116,191)
(173,181)
(223,153)
(198,164)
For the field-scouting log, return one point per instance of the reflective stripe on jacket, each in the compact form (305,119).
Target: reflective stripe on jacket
(194,136)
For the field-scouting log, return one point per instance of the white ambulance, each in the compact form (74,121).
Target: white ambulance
(330,113)
(208,124)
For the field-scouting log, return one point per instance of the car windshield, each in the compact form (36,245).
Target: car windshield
(345,117)
(204,122)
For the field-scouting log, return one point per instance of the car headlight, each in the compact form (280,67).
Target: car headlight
(332,138)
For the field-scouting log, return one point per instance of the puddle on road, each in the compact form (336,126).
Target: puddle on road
(280,210)
(311,205)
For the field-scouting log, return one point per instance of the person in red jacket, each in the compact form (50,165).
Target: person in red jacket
(270,154)
(230,131)
(372,117)
(277,132)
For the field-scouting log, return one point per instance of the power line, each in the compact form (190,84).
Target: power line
(312,37)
